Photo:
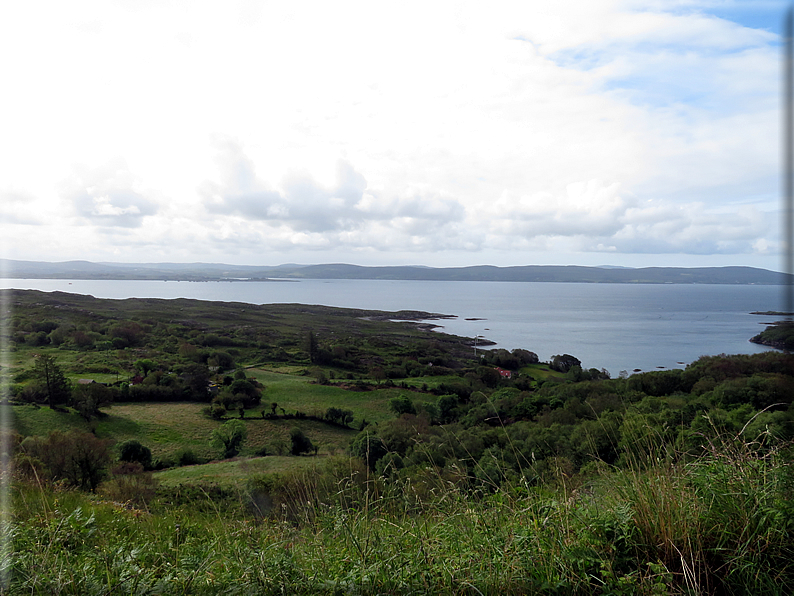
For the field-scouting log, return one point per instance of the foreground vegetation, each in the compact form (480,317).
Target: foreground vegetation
(294,449)
(719,524)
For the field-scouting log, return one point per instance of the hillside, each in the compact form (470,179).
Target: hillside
(528,273)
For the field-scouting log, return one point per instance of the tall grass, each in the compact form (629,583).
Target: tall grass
(5,436)
(720,523)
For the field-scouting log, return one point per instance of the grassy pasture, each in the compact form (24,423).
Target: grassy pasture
(431,382)
(168,428)
(293,392)
(164,428)
(33,420)
(540,372)
(233,473)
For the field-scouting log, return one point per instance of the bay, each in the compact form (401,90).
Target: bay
(612,326)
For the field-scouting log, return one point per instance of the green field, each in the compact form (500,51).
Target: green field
(234,473)
(293,392)
(170,428)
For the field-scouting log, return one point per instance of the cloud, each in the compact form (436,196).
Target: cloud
(591,208)
(620,126)
(303,203)
(590,215)
(109,195)
(18,208)
(596,216)
(693,229)
(304,206)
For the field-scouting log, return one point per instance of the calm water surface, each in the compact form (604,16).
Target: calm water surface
(612,326)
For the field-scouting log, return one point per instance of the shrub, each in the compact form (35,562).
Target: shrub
(402,405)
(229,437)
(300,442)
(133,451)
(216,411)
(186,457)
(78,458)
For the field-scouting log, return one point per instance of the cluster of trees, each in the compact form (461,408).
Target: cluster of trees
(476,426)
(89,336)
(182,382)
(50,386)
(81,460)
(76,458)
(103,334)
(238,393)
(230,436)
(46,383)
(486,437)
(369,357)
(509,360)
(162,346)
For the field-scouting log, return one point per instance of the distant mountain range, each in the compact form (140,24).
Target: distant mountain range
(537,273)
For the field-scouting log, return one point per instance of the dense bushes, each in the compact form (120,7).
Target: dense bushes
(133,451)
(576,423)
(77,458)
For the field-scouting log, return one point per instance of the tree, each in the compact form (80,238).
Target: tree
(402,404)
(378,373)
(300,442)
(338,416)
(564,363)
(311,347)
(488,375)
(215,410)
(525,356)
(87,399)
(49,374)
(145,366)
(77,457)
(245,392)
(133,451)
(446,407)
(369,447)
(320,376)
(196,378)
(230,437)
(128,333)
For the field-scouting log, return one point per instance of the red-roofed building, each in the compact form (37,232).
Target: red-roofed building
(505,374)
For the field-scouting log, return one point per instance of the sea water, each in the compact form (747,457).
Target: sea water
(612,326)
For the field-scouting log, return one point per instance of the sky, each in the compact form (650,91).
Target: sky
(586,132)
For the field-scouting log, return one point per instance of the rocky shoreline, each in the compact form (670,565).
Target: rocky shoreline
(779,335)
